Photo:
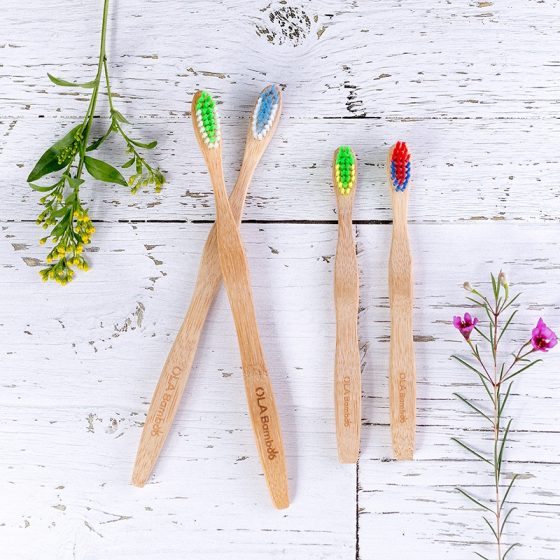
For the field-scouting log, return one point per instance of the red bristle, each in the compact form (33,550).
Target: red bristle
(400,158)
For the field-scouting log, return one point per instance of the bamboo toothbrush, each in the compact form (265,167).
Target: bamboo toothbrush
(402,371)
(176,370)
(235,272)
(347,373)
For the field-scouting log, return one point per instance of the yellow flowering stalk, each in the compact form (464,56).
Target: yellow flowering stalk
(64,214)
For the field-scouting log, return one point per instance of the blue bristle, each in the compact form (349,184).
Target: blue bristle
(400,187)
(269,98)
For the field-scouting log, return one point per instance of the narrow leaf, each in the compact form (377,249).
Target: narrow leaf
(509,550)
(475,408)
(471,450)
(66,83)
(495,287)
(94,145)
(42,189)
(103,171)
(147,146)
(512,300)
(506,397)
(117,115)
(48,162)
(522,369)
(128,163)
(491,528)
(503,445)
(74,182)
(505,520)
(472,499)
(481,334)
(504,328)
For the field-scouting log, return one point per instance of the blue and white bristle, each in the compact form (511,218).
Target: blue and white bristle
(265,112)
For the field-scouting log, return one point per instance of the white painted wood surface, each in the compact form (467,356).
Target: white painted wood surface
(474,88)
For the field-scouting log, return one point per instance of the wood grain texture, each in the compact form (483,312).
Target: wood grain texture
(473,86)
(177,367)
(347,369)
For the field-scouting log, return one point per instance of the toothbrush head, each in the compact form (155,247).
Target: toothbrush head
(207,119)
(399,170)
(345,169)
(265,111)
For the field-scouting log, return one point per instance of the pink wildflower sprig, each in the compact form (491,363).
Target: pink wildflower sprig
(497,380)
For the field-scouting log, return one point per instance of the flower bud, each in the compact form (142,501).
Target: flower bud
(502,279)
(468,287)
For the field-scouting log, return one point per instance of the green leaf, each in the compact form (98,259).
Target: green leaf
(48,162)
(42,189)
(491,528)
(474,500)
(504,328)
(74,182)
(66,83)
(501,409)
(103,171)
(506,519)
(471,450)
(147,146)
(503,445)
(475,408)
(94,145)
(495,287)
(128,163)
(480,375)
(512,300)
(522,369)
(509,550)
(117,115)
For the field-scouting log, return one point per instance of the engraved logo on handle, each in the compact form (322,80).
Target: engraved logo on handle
(271,451)
(166,397)
(402,395)
(346,395)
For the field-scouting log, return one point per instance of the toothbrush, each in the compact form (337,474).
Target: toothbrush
(235,272)
(176,370)
(347,373)
(402,371)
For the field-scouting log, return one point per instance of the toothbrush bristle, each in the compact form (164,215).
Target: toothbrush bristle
(265,112)
(207,120)
(400,166)
(345,169)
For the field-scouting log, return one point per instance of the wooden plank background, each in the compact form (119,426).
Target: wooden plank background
(473,86)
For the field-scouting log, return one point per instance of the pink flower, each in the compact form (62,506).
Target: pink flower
(543,338)
(465,325)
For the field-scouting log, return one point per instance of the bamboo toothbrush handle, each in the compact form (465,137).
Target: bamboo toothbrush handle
(402,371)
(174,376)
(262,407)
(347,383)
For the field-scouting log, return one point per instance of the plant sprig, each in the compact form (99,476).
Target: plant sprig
(64,213)
(497,380)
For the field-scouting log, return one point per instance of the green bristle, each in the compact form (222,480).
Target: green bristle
(345,169)
(206,105)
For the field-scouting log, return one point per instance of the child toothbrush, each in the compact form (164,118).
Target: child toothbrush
(402,371)
(347,374)
(178,365)
(235,272)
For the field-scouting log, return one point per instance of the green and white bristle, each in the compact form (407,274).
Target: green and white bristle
(208,120)
(345,169)
(265,112)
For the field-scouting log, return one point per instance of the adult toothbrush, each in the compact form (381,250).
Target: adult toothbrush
(175,372)
(402,369)
(347,373)
(235,272)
